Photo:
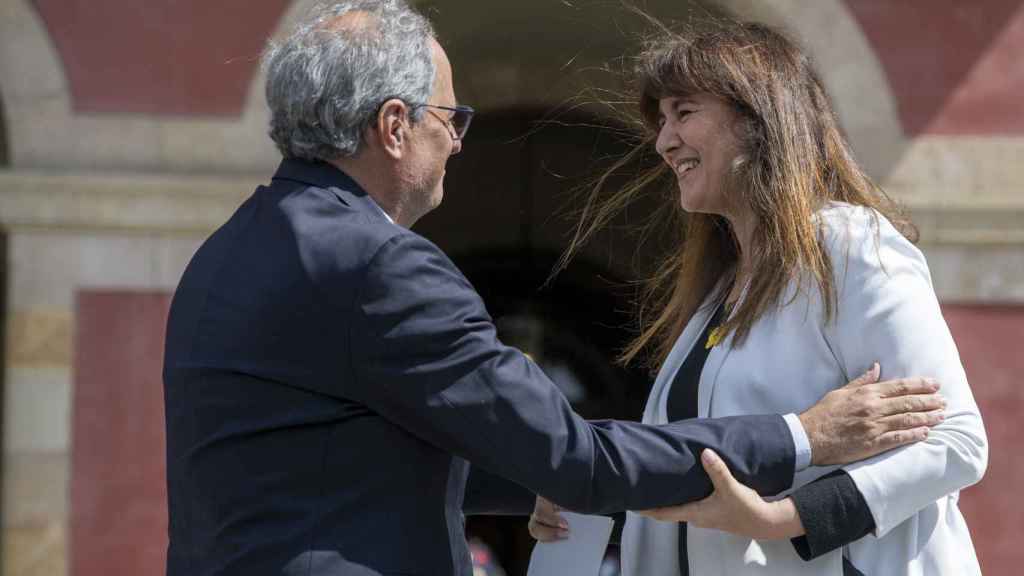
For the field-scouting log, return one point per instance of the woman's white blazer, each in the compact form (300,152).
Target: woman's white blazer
(887,312)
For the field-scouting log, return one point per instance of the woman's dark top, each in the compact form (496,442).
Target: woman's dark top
(832,509)
(682,401)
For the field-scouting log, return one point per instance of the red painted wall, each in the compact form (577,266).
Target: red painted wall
(118,487)
(954,66)
(991,343)
(160,57)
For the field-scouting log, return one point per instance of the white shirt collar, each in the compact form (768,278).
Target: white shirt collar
(379,209)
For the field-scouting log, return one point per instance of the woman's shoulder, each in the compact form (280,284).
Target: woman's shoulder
(863,237)
(839,221)
(840,217)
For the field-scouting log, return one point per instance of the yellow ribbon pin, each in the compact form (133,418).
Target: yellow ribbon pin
(714,337)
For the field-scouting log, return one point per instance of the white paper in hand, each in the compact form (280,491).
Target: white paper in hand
(580,555)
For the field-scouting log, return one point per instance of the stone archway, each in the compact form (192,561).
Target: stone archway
(542,55)
(850,68)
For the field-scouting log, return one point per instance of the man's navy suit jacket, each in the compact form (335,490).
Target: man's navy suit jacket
(329,378)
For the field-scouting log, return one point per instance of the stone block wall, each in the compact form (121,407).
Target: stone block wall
(102,197)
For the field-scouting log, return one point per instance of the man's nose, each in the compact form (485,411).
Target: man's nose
(456,147)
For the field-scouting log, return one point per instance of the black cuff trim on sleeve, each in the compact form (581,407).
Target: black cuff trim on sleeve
(833,513)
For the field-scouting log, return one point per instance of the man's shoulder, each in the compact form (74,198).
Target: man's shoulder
(330,218)
(347,237)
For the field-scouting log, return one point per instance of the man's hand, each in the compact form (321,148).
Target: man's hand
(734,508)
(867,417)
(546,524)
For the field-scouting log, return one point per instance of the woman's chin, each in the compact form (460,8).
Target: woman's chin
(692,203)
(688,203)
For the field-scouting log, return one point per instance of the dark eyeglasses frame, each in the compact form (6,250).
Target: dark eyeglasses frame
(457,126)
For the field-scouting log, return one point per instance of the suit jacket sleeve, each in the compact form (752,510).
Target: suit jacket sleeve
(423,354)
(888,313)
(488,493)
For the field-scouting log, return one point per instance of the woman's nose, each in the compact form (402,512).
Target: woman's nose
(667,140)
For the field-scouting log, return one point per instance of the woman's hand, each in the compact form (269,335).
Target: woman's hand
(734,508)
(546,524)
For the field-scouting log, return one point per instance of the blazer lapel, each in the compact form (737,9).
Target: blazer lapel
(709,376)
(656,410)
(712,367)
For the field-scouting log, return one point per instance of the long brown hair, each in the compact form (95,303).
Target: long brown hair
(794,159)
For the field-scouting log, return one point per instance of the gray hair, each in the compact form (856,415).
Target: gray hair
(327,80)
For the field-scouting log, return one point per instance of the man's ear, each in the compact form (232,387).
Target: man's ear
(391,129)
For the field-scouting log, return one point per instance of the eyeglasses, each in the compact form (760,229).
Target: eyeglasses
(458,123)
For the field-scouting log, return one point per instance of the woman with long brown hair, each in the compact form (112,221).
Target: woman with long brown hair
(792,272)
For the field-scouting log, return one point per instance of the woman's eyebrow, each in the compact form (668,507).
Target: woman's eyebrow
(672,104)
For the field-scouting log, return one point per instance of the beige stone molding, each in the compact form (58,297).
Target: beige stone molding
(962,190)
(952,168)
(121,202)
(968,221)
(179,204)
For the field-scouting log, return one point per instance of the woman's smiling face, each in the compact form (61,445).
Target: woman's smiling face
(697,139)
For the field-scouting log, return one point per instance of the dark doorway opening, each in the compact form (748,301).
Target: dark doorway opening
(504,221)
(3,354)
(3,300)
(3,137)
(506,217)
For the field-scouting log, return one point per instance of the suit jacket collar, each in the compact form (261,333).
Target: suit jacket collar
(316,173)
(328,177)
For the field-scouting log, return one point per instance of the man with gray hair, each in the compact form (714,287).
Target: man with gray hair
(331,378)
